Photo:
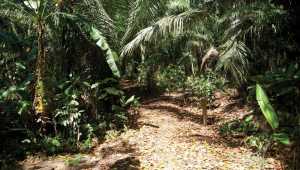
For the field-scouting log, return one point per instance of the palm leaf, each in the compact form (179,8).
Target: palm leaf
(143,13)
(170,25)
(234,60)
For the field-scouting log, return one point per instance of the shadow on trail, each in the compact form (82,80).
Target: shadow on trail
(149,125)
(118,155)
(176,107)
(215,140)
(234,105)
(122,147)
(129,163)
(180,114)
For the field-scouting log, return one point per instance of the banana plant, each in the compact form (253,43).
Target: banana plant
(102,43)
(270,115)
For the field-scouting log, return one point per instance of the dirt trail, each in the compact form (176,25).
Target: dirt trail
(171,137)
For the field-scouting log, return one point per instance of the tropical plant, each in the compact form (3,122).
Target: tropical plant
(270,115)
(171,78)
(225,26)
(46,18)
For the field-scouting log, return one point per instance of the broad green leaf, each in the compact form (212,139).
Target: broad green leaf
(20,65)
(102,43)
(130,100)
(87,84)
(266,107)
(95,85)
(282,138)
(113,91)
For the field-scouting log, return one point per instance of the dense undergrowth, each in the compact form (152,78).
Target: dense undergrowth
(61,63)
(266,133)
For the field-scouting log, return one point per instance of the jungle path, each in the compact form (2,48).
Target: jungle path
(170,136)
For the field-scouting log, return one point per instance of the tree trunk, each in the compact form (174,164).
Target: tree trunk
(150,82)
(40,102)
(204,111)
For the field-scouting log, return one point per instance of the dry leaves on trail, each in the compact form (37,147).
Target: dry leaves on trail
(171,137)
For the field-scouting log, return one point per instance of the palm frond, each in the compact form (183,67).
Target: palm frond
(254,18)
(233,60)
(94,13)
(177,7)
(143,13)
(16,11)
(170,25)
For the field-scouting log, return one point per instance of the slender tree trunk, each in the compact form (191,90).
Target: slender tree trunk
(204,111)
(151,87)
(40,101)
(199,61)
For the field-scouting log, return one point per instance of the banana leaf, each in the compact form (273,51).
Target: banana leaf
(266,107)
(102,43)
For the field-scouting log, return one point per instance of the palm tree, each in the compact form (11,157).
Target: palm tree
(34,14)
(49,20)
(225,25)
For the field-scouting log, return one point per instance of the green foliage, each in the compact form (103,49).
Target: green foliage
(171,78)
(256,40)
(76,109)
(52,145)
(259,141)
(74,161)
(282,138)
(234,61)
(254,136)
(245,127)
(69,115)
(112,134)
(221,24)
(262,141)
(120,111)
(101,42)
(266,107)
(174,78)
(203,85)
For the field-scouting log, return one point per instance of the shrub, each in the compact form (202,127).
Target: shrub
(171,78)
(203,85)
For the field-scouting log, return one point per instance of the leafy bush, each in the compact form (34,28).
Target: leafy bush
(52,145)
(203,85)
(243,127)
(256,137)
(282,86)
(171,78)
